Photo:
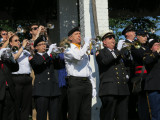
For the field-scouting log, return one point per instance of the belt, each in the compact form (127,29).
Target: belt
(21,74)
(138,69)
(81,78)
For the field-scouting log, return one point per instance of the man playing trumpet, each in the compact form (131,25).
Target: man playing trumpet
(113,88)
(152,82)
(46,90)
(79,77)
(138,50)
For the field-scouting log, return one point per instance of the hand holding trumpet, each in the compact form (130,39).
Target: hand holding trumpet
(93,43)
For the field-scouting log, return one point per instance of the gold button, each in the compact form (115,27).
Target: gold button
(48,73)
(48,78)
(118,82)
(123,73)
(115,68)
(117,77)
(117,73)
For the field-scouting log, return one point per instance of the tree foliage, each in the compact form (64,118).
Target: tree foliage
(150,24)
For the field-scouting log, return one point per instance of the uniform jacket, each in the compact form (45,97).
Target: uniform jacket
(152,64)
(113,80)
(46,83)
(5,75)
(128,58)
(138,54)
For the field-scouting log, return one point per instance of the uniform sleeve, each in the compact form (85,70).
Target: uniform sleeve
(150,58)
(75,54)
(104,59)
(38,61)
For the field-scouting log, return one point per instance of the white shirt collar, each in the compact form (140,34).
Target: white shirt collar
(130,40)
(74,46)
(110,49)
(40,53)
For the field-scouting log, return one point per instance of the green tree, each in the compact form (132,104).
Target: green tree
(147,23)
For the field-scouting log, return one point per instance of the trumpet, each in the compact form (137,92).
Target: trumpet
(57,50)
(7,55)
(44,29)
(136,44)
(94,44)
(29,45)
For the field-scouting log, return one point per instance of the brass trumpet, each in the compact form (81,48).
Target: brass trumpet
(94,43)
(136,44)
(58,50)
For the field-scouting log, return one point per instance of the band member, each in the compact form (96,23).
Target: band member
(6,42)
(130,34)
(8,100)
(113,88)
(152,83)
(125,47)
(21,78)
(138,50)
(35,31)
(4,36)
(79,72)
(46,90)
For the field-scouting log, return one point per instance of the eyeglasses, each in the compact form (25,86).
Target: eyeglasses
(4,33)
(34,28)
(16,40)
(41,44)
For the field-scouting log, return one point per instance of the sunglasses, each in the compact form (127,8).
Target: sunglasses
(16,40)
(34,28)
(110,37)
(4,33)
(41,44)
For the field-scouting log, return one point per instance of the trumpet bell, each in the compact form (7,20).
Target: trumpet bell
(14,48)
(137,45)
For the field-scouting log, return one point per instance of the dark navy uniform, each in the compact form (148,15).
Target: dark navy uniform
(46,89)
(152,84)
(113,89)
(137,54)
(140,98)
(8,103)
(129,63)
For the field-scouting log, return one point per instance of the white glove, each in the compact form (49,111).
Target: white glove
(87,40)
(94,93)
(51,47)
